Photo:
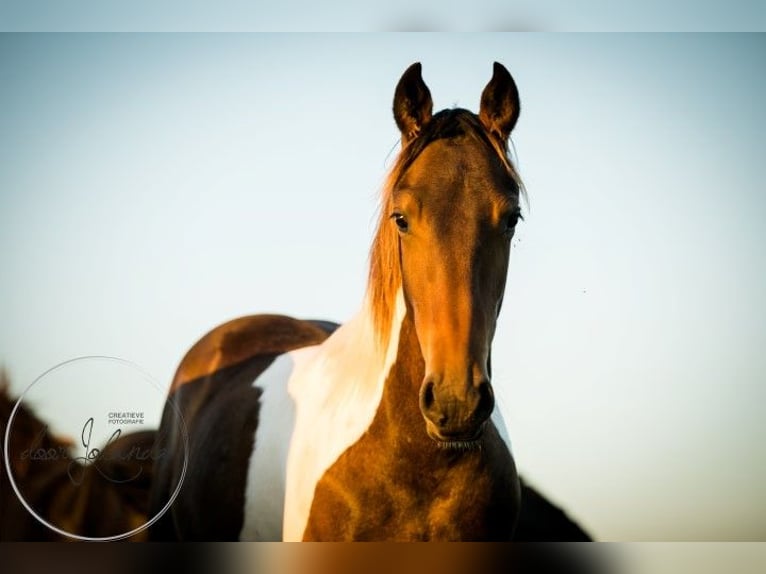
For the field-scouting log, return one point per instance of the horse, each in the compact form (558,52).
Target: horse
(383,428)
(106,498)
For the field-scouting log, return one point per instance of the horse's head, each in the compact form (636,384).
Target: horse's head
(452,206)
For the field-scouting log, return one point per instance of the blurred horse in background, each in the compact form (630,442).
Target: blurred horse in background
(104,498)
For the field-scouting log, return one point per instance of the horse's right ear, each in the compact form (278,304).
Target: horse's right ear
(412,103)
(500,103)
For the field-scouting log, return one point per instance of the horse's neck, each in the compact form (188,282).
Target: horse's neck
(398,420)
(337,389)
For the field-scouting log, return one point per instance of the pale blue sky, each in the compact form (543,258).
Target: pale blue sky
(393,15)
(154,186)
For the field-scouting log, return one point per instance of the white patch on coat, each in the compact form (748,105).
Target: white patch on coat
(499,421)
(316,402)
(337,388)
(265,487)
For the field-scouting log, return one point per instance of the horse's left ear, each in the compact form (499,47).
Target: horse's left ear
(412,103)
(500,103)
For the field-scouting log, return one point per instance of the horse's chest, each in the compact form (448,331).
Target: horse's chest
(368,498)
(303,428)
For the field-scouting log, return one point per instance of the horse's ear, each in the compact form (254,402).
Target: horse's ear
(500,103)
(412,103)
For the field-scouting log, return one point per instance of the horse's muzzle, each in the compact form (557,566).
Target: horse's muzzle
(456,418)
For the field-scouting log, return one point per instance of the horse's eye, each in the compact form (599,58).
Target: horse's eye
(401,222)
(510,222)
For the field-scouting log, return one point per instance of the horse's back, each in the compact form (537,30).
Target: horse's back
(217,398)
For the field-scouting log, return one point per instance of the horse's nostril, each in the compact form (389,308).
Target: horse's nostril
(439,417)
(486,401)
(427,397)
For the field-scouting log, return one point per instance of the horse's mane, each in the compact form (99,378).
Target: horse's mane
(6,400)
(384,276)
(26,422)
(4,381)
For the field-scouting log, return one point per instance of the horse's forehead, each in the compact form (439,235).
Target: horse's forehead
(457,169)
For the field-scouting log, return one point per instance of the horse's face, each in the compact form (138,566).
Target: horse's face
(455,211)
(455,208)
